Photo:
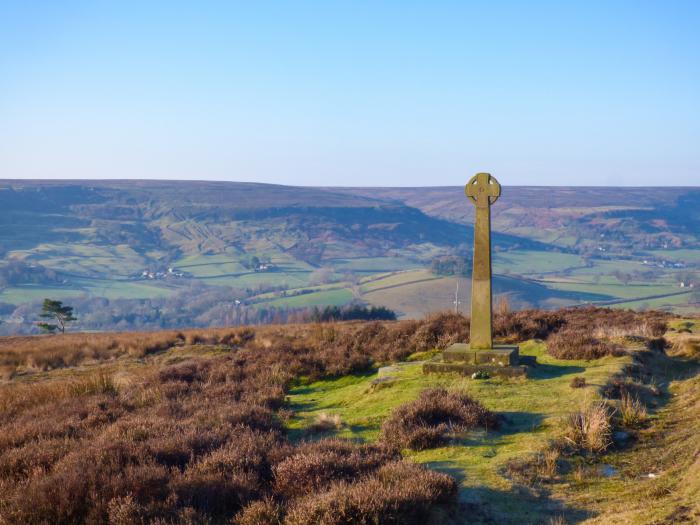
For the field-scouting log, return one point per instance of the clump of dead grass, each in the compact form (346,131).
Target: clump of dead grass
(326,422)
(687,345)
(541,467)
(589,429)
(98,382)
(632,411)
(578,382)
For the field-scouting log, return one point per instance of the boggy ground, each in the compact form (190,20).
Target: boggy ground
(205,425)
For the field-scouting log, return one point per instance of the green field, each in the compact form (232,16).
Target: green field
(616,290)
(329,297)
(210,265)
(687,256)
(532,262)
(85,259)
(395,279)
(100,237)
(86,286)
(373,264)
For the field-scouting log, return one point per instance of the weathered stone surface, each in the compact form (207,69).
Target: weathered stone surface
(482,190)
(388,371)
(438,366)
(499,355)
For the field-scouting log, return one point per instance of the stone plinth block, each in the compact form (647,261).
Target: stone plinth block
(501,360)
(438,366)
(499,355)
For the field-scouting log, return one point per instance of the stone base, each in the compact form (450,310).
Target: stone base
(499,355)
(441,367)
(501,360)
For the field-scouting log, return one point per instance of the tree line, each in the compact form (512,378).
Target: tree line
(197,307)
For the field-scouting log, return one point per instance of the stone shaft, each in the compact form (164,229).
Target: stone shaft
(480,332)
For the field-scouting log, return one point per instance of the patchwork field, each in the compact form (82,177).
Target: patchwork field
(552,247)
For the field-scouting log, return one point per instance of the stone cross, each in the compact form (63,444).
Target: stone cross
(482,190)
(480,355)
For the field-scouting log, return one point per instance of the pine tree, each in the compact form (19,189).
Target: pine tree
(58,313)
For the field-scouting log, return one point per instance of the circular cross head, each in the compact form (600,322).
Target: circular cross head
(483,189)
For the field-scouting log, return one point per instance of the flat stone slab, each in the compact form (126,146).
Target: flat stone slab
(388,371)
(396,368)
(438,366)
(499,355)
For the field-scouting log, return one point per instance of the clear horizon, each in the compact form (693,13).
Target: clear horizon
(314,94)
(457,185)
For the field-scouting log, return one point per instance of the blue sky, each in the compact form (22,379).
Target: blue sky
(352,93)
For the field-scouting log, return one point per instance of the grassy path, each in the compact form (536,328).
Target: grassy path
(657,478)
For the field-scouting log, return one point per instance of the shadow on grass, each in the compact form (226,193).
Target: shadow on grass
(544,371)
(520,505)
(309,432)
(305,386)
(514,422)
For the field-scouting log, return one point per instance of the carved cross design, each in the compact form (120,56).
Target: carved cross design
(483,189)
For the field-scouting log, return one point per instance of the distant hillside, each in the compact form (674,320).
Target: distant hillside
(161,219)
(641,218)
(212,253)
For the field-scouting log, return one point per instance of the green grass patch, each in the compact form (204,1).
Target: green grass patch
(533,409)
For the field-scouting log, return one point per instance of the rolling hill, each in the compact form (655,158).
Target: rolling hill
(243,248)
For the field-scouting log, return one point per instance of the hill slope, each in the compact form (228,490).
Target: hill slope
(198,425)
(151,246)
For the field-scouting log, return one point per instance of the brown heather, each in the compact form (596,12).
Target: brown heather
(117,435)
(592,333)
(428,421)
(198,440)
(314,466)
(399,493)
(571,343)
